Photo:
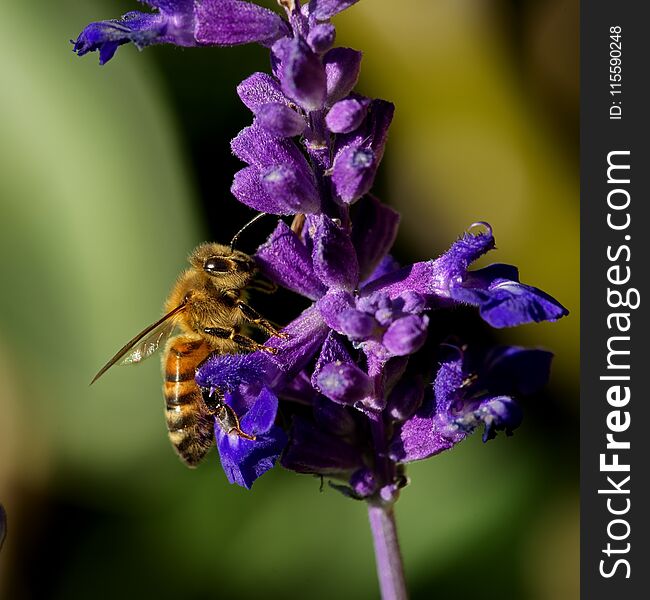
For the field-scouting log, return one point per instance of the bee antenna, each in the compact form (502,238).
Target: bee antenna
(244,228)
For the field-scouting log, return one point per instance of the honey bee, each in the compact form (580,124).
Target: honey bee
(208,304)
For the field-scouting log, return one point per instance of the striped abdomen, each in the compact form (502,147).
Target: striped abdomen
(189,423)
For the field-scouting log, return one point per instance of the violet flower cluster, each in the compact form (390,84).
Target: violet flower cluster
(342,397)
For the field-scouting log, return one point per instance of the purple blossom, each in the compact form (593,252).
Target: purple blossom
(280,120)
(183,23)
(301,73)
(373,329)
(244,460)
(359,393)
(278,179)
(359,153)
(358,406)
(346,115)
(463,399)
(502,300)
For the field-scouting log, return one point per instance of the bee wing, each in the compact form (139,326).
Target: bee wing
(144,344)
(149,344)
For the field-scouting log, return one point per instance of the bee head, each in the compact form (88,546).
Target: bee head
(217,261)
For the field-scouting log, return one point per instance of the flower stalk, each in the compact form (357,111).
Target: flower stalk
(390,569)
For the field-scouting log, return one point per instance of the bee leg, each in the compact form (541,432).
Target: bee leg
(225,416)
(245,342)
(229,422)
(254,317)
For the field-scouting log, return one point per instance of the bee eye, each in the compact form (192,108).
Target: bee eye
(216,264)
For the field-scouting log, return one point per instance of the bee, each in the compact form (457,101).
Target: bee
(208,304)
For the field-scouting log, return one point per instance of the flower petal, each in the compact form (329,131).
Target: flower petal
(416,438)
(260,418)
(448,381)
(335,261)
(291,189)
(506,303)
(305,335)
(256,146)
(231,22)
(343,382)
(354,173)
(373,132)
(373,233)
(260,89)
(170,6)
(347,115)
(326,9)
(337,308)
(302,75)
(335,374)
(280,120)
(406,335)
(285,260)
(333,350)
(435,277)
(387,265)
(321,37)
(460,405)
(359,154)
(451,267)
(280,163)
(248,188)
(243,461)
(143,29)
(357,325)
(342,66)
(498,413)
(229,371)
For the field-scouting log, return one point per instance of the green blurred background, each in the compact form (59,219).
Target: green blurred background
(109,176)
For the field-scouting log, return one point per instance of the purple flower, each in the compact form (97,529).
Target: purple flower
(280,119)
(245,460)
(463,399)
(140,28)
(337,376)
(183,23)
(373,329)
(351,372)
(278,179)
(347,115)
(359,153)
(502,300)
(231,22)
(301,73)
(341,67)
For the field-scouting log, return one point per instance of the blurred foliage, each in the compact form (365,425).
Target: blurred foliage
(109,176)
